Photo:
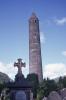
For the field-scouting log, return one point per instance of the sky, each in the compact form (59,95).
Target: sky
(14,35)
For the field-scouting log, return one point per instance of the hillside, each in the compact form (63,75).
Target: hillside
(4,77)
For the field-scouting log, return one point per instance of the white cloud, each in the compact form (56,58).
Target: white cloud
(11,71)
(42,37)
(54,70)
(64,53)
(8,69)
(60,21)
(50,70)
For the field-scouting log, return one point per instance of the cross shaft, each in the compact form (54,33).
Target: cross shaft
(19,65)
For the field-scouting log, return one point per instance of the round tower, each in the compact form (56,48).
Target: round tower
(35,60)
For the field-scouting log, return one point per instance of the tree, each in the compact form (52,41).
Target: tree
(60,84)
(33,78)
(64,82)
(2,86)
(45,88)
(51,86)
(40,94)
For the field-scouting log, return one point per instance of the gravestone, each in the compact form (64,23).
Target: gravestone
(45,98)
(64,98)
(20,95)
(31,96)
(54,96)
(63,93)
(20,89)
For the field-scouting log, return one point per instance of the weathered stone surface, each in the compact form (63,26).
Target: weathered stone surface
(45,98)
(54,96)
(20,95)
(35,61)
(31,96)
(63,93)
(64,98)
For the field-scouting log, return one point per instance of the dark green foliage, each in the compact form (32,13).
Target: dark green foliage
(60,84)
(33,78)
(43,89)
(64,82)
(46,87)
(2,86)
(50,85)
(3,79)
(40,94)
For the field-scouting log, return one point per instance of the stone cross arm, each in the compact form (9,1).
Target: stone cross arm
(19,65)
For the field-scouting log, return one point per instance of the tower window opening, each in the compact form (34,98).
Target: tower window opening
(35,21)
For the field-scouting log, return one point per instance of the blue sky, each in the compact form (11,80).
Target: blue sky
(14,34)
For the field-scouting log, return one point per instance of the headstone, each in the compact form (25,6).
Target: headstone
(21,88)
(64,98)
(63,93)
(45,98)
(54,96)
(31,96)
(20,95)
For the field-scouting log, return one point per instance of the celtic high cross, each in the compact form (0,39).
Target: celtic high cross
(19,65)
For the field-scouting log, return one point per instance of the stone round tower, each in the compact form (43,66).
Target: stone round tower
(35,60)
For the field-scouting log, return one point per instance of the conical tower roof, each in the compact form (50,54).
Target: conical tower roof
(33,16)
